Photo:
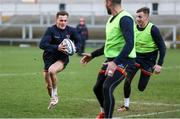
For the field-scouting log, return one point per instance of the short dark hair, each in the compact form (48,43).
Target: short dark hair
(145,10)
(61,13)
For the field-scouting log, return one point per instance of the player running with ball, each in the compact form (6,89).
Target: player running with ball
(55,56)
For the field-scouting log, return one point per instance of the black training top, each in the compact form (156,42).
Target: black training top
(54,36)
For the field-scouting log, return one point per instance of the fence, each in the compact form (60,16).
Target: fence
(31,34)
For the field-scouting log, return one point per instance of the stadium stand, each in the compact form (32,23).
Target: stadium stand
(26,20)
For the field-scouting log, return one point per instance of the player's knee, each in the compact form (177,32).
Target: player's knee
(52,72)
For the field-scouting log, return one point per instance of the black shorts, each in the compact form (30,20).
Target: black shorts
(146,61)
(125,67)
(50,58)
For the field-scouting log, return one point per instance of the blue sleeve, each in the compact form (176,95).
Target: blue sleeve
(155,33)
(98,52)
(127,27)
(45,42)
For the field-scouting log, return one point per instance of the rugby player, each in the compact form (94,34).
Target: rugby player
(149,44)
(54,56)
(119,51)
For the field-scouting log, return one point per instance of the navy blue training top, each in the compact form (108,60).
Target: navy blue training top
(54,36)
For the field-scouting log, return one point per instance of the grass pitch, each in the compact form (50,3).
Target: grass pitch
(23,93)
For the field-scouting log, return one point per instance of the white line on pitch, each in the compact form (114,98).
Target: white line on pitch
(141,103)
(156,104)
(17,74)
(153,113)
(171,67)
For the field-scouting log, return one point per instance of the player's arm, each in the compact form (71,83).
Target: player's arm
(161,47)
(127,26)
(160,44)
(45,42)
(87,57)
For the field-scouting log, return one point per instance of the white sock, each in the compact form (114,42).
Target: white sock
(102,109)
(54,92)
(126,102)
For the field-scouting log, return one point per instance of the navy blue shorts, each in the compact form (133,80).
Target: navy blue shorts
(125,67)
(146,61)
(50,59)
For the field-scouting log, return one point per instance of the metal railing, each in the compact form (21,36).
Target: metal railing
(32,33)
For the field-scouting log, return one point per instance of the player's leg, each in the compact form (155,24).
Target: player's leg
(144,79)
(131,71)
(48,81)
(146,71)
(48,61)
(109,85)
(53,70)
(98,90)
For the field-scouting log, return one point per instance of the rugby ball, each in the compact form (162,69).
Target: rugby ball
(70,47)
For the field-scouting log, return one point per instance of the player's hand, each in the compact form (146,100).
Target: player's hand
(111,68)
(62,47)
(86,58)
(157,69)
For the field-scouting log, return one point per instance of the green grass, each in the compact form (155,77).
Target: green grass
(23,93)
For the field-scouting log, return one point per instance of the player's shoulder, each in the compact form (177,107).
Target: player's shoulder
(126,18)
(51,28)
(71,29)
(126,21)
(154,28)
